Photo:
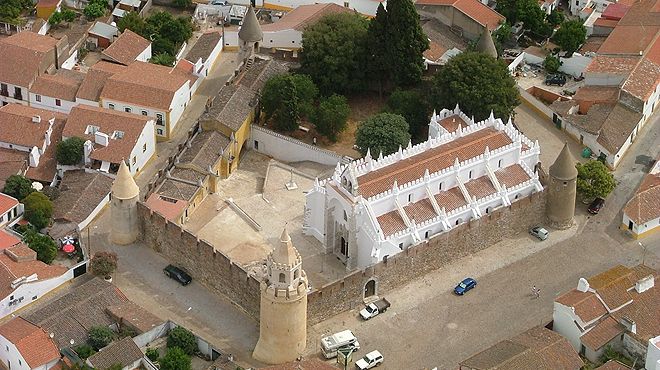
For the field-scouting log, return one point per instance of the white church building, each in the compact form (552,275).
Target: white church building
(376,207)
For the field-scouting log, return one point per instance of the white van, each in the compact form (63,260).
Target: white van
(330,344)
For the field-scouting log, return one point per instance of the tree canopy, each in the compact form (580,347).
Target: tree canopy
(103,263)
(38,209)
(18,186)
(594,180)
(526,11)
(175,359)
(332,53)
(70,151)
(551,64)
(555,18)
(331,116)
(285,97)
(384,132)
(95,9)
(570,35)
(100,336)
(42,244)
(182,338)
(478,83)
(414,107)
(377,48)
(11,10)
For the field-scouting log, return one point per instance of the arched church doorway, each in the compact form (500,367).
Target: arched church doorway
(370,288)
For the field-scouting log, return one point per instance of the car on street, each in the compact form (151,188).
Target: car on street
(465,286)
(219,3)
(596,206)
(375,308)
(177,274)
(555,79)
(539,232)
(371,360)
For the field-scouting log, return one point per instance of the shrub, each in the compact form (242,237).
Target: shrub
(68,15)
(331,116)
(42,244)
(70,151)
(152,354)
(594,180)
(100,336)
(384,132)
(182,338)
(175,359)
(103,263)
(18,187)
(84,351)
(551,64)
(38,209)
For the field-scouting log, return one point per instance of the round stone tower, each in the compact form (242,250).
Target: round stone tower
(123,207)
(249,35)
(560,204)
(283,317)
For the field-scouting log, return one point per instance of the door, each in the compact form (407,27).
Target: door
(370,288)
(630,225)
(344,247)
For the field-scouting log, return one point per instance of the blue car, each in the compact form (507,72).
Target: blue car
(464,286)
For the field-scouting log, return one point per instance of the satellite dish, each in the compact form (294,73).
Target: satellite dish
(37,186)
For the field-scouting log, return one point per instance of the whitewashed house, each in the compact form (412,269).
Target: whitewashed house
(26,346)
(150,90)
(56,92)
(128,48)
(111,137)
(641,215)
(653,354)
(378,207)
(10,209)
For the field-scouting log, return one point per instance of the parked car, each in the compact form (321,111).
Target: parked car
(177,274)
(465,286)
(218,2)
(539,232)
(341,340)
(555,79)
(596,206)
(375,308)
(372,359)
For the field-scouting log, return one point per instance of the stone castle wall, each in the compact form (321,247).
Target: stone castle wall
(218,273)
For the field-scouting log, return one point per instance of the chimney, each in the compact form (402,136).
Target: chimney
(88,148)
(36,119)
(101,138)
(583,285)
(644,284)
(630,325)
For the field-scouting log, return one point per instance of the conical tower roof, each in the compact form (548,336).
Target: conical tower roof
(250,29)
(285,253)
(564,166)
(486,44)
(124,187)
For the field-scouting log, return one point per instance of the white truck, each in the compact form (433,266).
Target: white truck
(375,308)
(332,343)
(371,360)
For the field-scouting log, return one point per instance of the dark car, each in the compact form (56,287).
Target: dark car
(596,206)
(464,286)
(177,274)
(555,79)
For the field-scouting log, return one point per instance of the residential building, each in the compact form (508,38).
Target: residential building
(641,215)
(618,308)
(365,7)
(56,92)
(27,346)
(286,34)
(378,207)
(150,90)
(443,44)
(24,279)
(205,52)
(124,352)
(101,35)
(537,348)
(89,92)
(10,209)
(12,162)
(112,137)
(25,56)
(128,48)
(468,18)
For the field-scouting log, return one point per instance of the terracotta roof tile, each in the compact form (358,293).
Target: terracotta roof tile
(31,341)
(232,106)
(303,16)
(615,11)
(597,94)
(391,223)
(169,208)
(612,64)
(420,211)
(58,86)
(108,121)
(137,317)
(435,159)
(80,194)
(643,206)
(7,203)
(450,199)
(613,365)
(204,45)
(628,40)
(177,190)
(11,270)
(205,149)
(127,47)
(95,78)
(24,57)
(261,71)
(474,9)
(17,126)
(442,39)
(8,240)
(451,123)
(602,333)
(124,352)
(511,176)
(12,162)
(644,80)
(480,187)
(617,127)
(587,306)
(607,23)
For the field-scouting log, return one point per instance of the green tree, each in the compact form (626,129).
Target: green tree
(272,95)
(331,116)
(164,59)
(70,151)
(42,244)
(384,132)
(377,48)
(55,19)
(182,338)
(594,180)
(94,10)
(175,359)
(11,10)
(502,34)
(406,43)
(103,263)
(477,82)
(570,35)
(555,18)
(182,3)
(84,351)
(333,52)
(526,11)
(134,22)
(307,93)
(38,209)
(152,354)
(414,107)
(68,15)
(551,64)
(100,336)
(509,9)
(18,187)
(288,113)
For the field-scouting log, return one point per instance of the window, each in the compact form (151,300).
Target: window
(426,235)
(499,164)
(159,119)
(58,102)
(144,112)
(111,106)
(159,131)
(7,347)
(34,298)
(345,216)
(401,246)
(133,161)
(409,198)
(440,187)
(144,148)
(470,174)
(37,98)
(282,278)
(345,4)
(127,109)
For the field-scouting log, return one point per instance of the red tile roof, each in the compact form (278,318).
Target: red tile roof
(451,123)
(169,208)
(615,11)
(511,176)
(628,40)
(8,240)
(602,333)
(303,16)
(31,341)
(391,223)
(24,57)
(613,365)
(420,211)
(95,79)
(643,206)
(450,199)
(17,126)
(128,46)
(58,86)
(7,203)
(587,306)
(607,23)
(612,64)
(474,9)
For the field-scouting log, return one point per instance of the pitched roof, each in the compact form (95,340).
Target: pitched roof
(95,78)
(135,316)
(250,30)
(441,39)
(8,240)
(13,268)
(261,71)
(612,64)
(12,162)
(108,122)
(204,46)
(643,206)
(145,84)
(17,124)
(602,333)
(613,365)
(474,9)
(124,352)
(60,86)
(6,203)
(128,46)
(303,16)
(47,168)
(169,208)
(645,78)
(205,149)
(232,106)
(104,30)
(628,40)
(618,127)
(31,341)
(177,190)
(80,194)
(23,57)
(586,304)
